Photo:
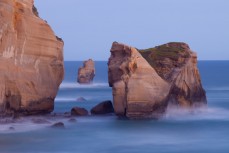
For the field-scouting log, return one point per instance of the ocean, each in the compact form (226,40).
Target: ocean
(179,131)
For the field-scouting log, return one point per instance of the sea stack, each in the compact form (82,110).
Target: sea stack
(87,72)
(31,65)
(144,82)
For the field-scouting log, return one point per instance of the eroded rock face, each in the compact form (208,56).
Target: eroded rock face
(31,60)
(87,72)
(144,82)
(138,91)
(177,64)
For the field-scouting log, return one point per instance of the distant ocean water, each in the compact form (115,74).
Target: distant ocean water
(179,131)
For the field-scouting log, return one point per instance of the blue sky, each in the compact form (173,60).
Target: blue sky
(88,27)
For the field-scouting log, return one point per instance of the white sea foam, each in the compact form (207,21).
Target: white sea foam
(75,99)
(70,85)
(26,124)
(205,113)
(21,127)
(65,99)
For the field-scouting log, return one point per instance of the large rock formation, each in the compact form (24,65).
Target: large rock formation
(145,81)
(31,60)
(177,64)
(87,72)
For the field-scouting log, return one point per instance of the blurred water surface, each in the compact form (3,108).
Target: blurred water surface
(179,131)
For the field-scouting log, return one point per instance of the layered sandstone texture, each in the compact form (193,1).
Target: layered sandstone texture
(87,72)
(144,82)
(31,60)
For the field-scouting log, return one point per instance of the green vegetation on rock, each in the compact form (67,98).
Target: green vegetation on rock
(171,51)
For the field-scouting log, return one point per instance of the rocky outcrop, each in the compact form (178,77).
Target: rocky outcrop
(31,60)
(87,72)
(78,111)
(177,64)
(81,99)
(144,82)
(104,107)
(138,91)
(58,125)
(72,120)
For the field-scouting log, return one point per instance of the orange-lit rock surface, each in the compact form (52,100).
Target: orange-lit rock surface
(138,91)
(31,60)
(87,72)
(144,82)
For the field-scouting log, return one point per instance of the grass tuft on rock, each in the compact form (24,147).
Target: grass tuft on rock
(172,51)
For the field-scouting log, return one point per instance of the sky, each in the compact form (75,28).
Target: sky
(88,27)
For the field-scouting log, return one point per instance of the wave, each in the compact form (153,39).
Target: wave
(71,85)
(204,113)
(21,126)
(27,124)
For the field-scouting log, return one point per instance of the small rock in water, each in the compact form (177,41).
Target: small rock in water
(104,107)
(78,111)
(81,99)
(11,128)
(72,120)
(87,72)
(58,125)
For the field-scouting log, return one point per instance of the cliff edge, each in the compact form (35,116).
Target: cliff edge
(31,60)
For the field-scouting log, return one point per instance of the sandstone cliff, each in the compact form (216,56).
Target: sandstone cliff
(87,72)
(145,81)
(138,91)
(31,60)
(177,64)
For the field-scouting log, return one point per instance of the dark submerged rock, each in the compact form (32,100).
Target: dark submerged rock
(72,120)
(58,125)
(104,107)
(11,128)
